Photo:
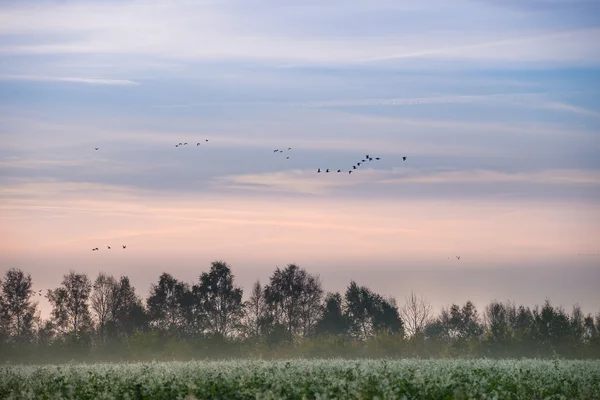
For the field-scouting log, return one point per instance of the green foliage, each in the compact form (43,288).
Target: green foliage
(307,379)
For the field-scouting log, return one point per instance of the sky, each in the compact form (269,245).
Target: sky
(495,104)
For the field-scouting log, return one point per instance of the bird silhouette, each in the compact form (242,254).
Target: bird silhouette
(377,158)
(180,144)
(124,246)
(339,170)
(185,144)
(197,144)
(354,167)
(349,172)
(367,156)
(319,170)
(176,145)
(458,257)
(403,158)
(358,164)
(96,148)
(289,148)
(327,170)
(207,140)
(108,247)
(288,157)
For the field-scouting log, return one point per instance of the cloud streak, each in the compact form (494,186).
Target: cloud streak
(88,81)
(309,182)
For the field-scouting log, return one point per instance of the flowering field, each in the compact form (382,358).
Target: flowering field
(299,379)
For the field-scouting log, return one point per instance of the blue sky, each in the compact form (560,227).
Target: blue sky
(496,104)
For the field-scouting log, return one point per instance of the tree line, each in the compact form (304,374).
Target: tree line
(290,316)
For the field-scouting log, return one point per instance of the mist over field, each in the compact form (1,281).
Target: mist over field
(384,198)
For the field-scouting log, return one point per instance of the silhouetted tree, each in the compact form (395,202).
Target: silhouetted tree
(359,303)
(333,320)
(102,299)
(19,310)
(499,330)
(167,304)
(221,301)
(385,315)
(5,319)
(127,312)
(552,326)
(70,308)
(289,295)
(311,304)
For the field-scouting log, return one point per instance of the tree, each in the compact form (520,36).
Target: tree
(290,297)
(255,309)
(19,310)
(333,321)
(385,316)
(127,313)
(220,300)
(103,299)
(5,319)
(416,314)
(359,303)
(70,308)
(310,304)
(167,304)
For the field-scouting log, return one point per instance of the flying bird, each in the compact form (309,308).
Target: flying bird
(207,140)
(180,144)
(288,157)
(403,158)
(349,172)
(124,246)
(108,247)
(327,170)
(289,148)
(354,167)
(367,156)
(458,257)
(339,170)
(377,158)
(319,170)
(96,148)
(197,144)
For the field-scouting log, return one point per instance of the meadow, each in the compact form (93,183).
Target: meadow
(307,379)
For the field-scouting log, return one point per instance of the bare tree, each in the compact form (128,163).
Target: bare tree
(255,309)
(102,300)
(416,314)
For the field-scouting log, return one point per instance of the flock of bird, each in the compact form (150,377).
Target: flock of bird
(185,144)
(280,151)
(354,167)
(97,249)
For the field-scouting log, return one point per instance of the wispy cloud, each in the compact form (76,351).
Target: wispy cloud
(89,81)
(310,182)
(571,108)
(232,30)
(494,97)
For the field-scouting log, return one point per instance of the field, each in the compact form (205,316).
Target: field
(303,379)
